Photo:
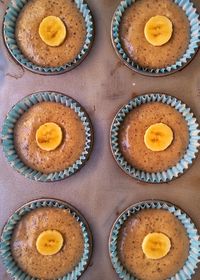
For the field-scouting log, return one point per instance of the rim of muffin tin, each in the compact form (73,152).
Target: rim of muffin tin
(5,248)
(12,12)
(23,106)
(187,159)
(186,272)
(194,20)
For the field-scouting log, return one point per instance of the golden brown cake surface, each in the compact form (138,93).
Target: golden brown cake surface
(130,244)
(24,243)
(132,131)
(72,144)
(29,40)
(134,41)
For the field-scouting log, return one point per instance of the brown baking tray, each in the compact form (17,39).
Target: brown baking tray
(100,191)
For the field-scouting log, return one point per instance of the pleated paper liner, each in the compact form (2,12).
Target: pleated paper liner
(194,251)
(8,135)
(188,7)
(5,245)
(186,160)
(10,18)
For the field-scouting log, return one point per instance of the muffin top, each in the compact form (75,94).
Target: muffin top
(153,244)
(47,243)
(154,34)
(49,137)
(50,33)
(153,137)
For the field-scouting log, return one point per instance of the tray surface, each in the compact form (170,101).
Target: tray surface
(100,190)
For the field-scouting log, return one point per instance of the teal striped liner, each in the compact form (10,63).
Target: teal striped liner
(194,252)
(5,244)
(8,135)
(185,161)
(12,13)
(193,17)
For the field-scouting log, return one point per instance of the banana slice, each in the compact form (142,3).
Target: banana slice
(49,242)
(49,136)
(158,30)
(52,31)
(158,137)
(156,245)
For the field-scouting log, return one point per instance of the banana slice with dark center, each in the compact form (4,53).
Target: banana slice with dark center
(156,245)
(49,242)
(158,137)
(158,30)
(49,136)
(52,31)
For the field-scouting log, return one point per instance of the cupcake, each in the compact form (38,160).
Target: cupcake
(51,137)
(49,240)
(156,37)
(153,240)
(53,35)
(151,138)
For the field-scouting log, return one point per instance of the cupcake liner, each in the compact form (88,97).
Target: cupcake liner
(185,161)
(8,135)
(10,18)
(194,252)
(193,17)
(5,245)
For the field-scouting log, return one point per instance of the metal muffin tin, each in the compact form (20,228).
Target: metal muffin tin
(101,190)
(186,160)
(13,10)
(194,252)
(193,17)
(8,135)
(5,245)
